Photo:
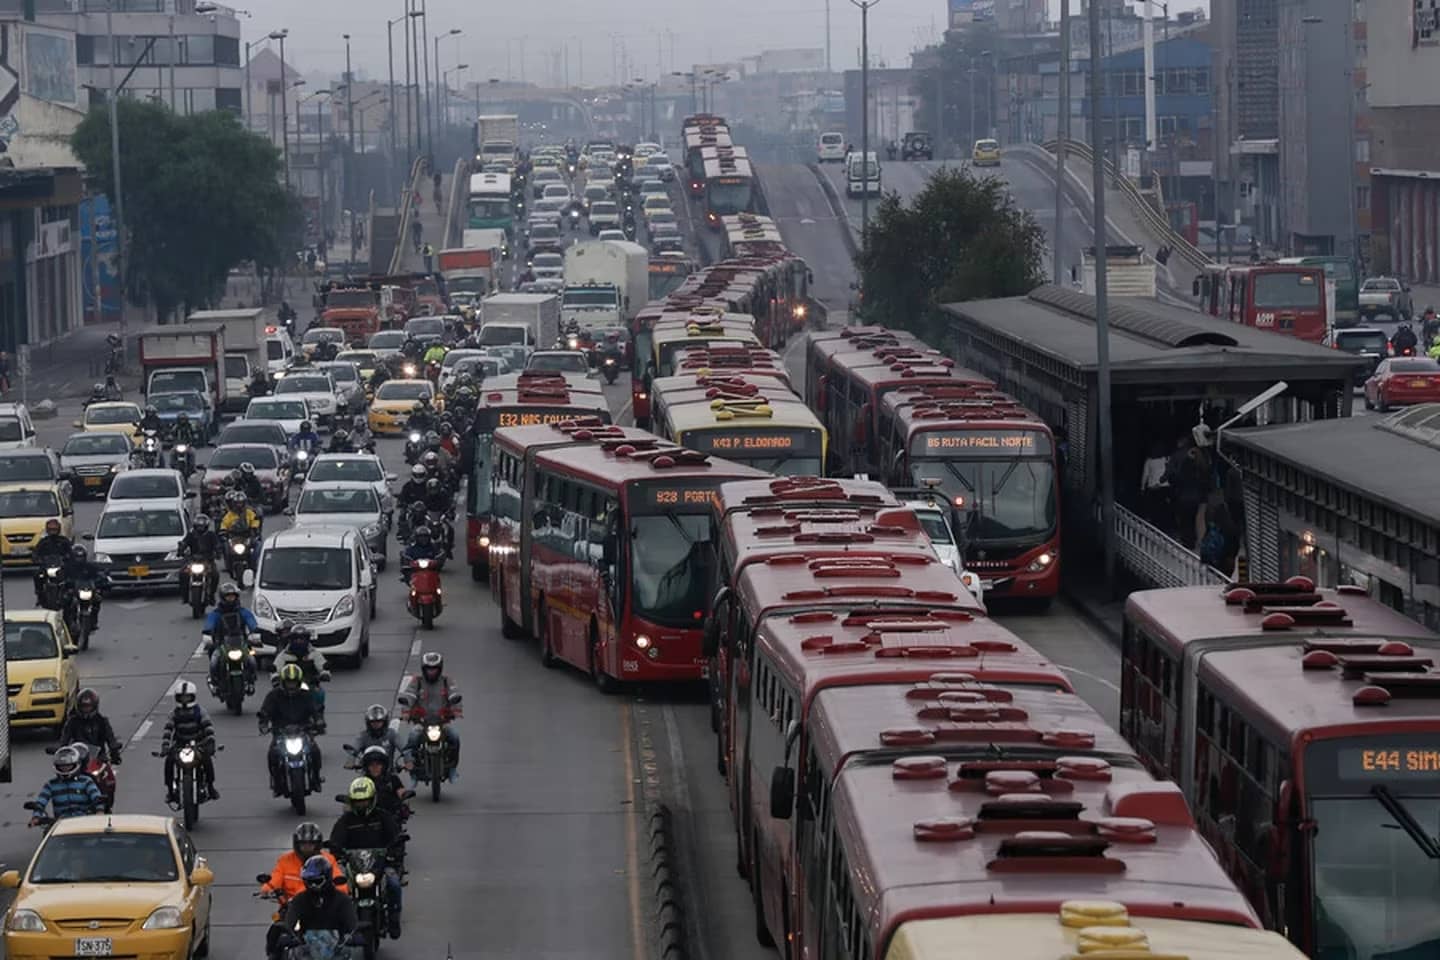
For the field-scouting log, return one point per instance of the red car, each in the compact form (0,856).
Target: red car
(1400,381)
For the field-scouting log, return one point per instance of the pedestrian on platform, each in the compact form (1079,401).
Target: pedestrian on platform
(429,254)
(1155,486)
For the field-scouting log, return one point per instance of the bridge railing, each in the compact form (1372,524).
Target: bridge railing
(1157,558)
(407,214)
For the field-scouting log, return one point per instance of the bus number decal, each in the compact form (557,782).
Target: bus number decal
(1266,319)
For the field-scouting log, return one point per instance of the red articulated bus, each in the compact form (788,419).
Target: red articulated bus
(707,132)
(517,400)
(997,465)
(1279,297)
(725,361)
(1303,726)
(607,548)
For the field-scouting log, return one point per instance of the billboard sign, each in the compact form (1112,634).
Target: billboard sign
(99,257)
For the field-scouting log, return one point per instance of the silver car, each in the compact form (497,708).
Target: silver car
(349,386)
(345,505)
(354,468)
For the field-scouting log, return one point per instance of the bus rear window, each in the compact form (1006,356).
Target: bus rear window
(1277,291)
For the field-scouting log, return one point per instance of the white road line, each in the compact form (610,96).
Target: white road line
(199,651)
(143,729)
(415,648)
(626,411)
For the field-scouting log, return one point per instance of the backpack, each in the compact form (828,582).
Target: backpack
(1212,546)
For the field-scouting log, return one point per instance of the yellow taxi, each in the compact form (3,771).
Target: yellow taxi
(111,417)
(986,153)
(394,399)
(24,510)
(111,885)
(39,668)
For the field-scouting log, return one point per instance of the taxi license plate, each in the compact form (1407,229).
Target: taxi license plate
(92,481)
(1419,383)
(140,571)
(93,947)
(19,551)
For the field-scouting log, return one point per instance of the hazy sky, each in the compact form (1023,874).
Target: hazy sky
(533,30)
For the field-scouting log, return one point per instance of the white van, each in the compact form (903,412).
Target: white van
(17,431)
(831,148)
(862,176)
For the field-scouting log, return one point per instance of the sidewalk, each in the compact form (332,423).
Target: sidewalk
(432,229)
(69,366)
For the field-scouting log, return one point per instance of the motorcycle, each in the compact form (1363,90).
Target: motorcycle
(294,779)
(200,588)
(431,763)
(238,556)
(100,770)
(365,874)
(182,458)
(84,613)
(322,945)
(53,588)
(443,530)
(150,454)
(232,684)
(424,601)
(39,814)
(413,447)
(316,691)
(610,367)
(188,757)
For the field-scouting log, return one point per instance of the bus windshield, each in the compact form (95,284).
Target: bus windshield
(489,208)
(663,284)
(673,565)
(1007,499)
(728,198)
(1280,291)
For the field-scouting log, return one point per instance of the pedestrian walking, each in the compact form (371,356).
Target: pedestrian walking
(1155,486)
(429,254)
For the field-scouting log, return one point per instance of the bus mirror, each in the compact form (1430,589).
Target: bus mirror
(710,639)
(1284,801)
(782,793)
(1195,287)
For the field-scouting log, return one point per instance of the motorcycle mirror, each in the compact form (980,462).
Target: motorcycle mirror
(87,536)
(71,650)
(341,798)
(51,750)
(408,795)
(348,747)
(453,699)
(405,700)
(247,579)
(262,878)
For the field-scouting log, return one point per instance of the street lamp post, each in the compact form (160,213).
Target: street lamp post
(284,108)
(361,107)
(390,98)
(425,52)
(435,106)
(1106,460)
(418,16)
(115,163)
(865,6)
(323,220)
(349,192)
(445,92)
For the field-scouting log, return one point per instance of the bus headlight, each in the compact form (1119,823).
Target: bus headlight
(484,541)
(1041,563)
(642,641)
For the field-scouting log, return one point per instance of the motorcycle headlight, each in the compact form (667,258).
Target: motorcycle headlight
(415,438)
(366,879)
(26,921)
(164,918)
(86,594)
(235,654)
(432,733)
(102,558)
(187,755)
(302,455)
(197,568)
(422,563)
(293,745)
(344,608)
(52,571)
(574,343)
(1041,562)
(45,685)
(409,369)
(181,448)
(237,548)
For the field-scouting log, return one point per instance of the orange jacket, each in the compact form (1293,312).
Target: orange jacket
(285,875)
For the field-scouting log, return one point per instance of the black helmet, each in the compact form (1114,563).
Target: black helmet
(432,486)
(67,761)
(431,460)
(377,718)
(52,527)
(235,500)
(202,522)
(185,694)
(432,665)
(299,638)
(150,410)
(307,834)
(247,468)
(340,436)
(317,874)
(376,754)
(79,554)
(98,390)
(446,428)
(306,426)
(432,439)
(417,472)
(422,536)
(229,595)
(88,702)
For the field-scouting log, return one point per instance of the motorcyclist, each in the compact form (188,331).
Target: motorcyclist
(79,568)
(286,314)
(325,351)
(239,520)
(320,906)
(422,418)
(112,389)
(412,349)
(201,544)
(435,353)
(422,546)
(289,706)
(70,793)
(426,696)
(306,438)
(1404,339)
(448,442)
(1430,325)
(151,420)
(299,651)
(259,384)
(51,550)
(188,723)
(389,791)
(437,498)
(184,430)
(86,724)
(364,826)
(97,395)
(378,733)
(307,841)
(440,464)
(340,442)
(414,489)
(229,619)
(248,483)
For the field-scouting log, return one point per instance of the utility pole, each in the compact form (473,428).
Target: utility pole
(348,194)
(390,95)
(1062,136)
(284,107)
(418,15)
(865,6)
(827,37)
(409,127)
(1149,41)
(425,42)
(1105,463)
(114,166)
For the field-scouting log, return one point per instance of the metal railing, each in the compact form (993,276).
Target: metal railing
(1157,558)
(454,213)
(407,213)
(1152,217)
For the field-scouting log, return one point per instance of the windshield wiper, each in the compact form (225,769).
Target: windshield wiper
(1408,823)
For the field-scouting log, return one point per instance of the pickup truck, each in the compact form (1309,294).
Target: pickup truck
(1388,296)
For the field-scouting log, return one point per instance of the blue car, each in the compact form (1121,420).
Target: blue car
(170,405)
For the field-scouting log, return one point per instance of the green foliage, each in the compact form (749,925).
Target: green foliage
(962,238)
(201,194)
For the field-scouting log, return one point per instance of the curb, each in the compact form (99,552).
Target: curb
(670,912)
(837,207)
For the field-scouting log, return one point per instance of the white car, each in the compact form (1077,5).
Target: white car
(323,578)
(654,188)
(345,505)
(313,386)
(563,361)
(386,342)
(16,430)
(659,165)
(138,541)
(151,486)
(611,235)
(556,191)
(942,539)
(354,468)
(831,148)
(645,149)
(547,266)
(289,412)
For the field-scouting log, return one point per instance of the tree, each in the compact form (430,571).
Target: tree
(962,238)
(201,194)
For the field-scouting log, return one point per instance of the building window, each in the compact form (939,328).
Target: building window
(199,49)
(200,100)
(227,51)
(1362,198)
(1362,150)
(229,98)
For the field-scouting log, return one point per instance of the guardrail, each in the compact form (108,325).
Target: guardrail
(1152,217)
(1157,558)
(454,213)
(407,213)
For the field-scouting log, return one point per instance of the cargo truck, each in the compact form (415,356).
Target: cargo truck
(185,357)
(529,319)
(497,137)
(469,275)
(245,350)
(357,307)
(606,283)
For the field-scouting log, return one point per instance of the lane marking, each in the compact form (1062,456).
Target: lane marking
(415,648)
(632,835)
(199,651)
(140,731)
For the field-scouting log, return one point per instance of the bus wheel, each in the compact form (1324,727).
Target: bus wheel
(542,633)
(603,682)
(762,930)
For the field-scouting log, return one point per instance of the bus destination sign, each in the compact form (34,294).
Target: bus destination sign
(982,442)
(678,497)
(1361,761)
(1381,762)
(738,444)
(533,416)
